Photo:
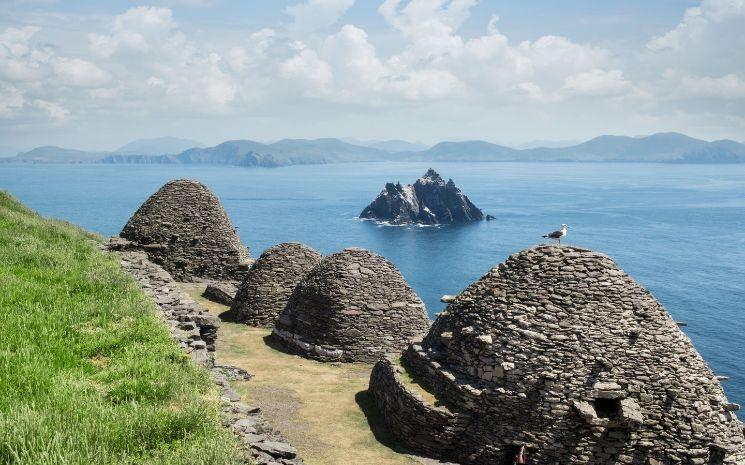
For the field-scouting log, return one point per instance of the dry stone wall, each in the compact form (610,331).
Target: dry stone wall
(417,424)
(195,330)
(353,306)
(184,228)
(559,351)
(267,287)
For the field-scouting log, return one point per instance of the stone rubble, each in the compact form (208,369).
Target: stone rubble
(220,292)
(184,228)
(195,330)
(354,306)
(269,283)
(559,351)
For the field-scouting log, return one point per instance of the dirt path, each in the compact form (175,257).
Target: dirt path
(322,409)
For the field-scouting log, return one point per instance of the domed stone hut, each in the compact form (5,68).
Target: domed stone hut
(561,355)
(353,306)
(184,228)
(270,281)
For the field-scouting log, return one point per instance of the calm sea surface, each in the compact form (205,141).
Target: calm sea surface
(677,229)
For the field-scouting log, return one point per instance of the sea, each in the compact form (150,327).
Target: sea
(677,229)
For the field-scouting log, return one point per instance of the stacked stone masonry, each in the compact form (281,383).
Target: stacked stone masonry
(418,424)
(267,287)
(353,306)
(184,228)
(559,351)
(195,330)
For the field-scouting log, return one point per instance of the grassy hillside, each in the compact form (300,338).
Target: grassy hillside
(88,374)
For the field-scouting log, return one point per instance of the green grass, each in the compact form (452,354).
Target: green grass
(88,373)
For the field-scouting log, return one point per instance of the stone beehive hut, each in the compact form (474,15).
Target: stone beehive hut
(560,352)
(184,228)
(353,306)
(269,283)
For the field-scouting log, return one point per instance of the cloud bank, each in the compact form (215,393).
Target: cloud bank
(144,63)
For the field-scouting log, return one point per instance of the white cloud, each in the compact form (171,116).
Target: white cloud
(56,112)
(241,57)
(310,71)
(145,63)
(535,94)
(428,25)
(730,86)
(80,73)
(356,67)
(172,3)
(697,21)
(139,29)
(314,15)
(428,84)
(19,61)
(10,99)
(157,60)
(559,55)
(598,82)
(104,93)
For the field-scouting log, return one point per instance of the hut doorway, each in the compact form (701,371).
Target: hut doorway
(607,408)
(514,455)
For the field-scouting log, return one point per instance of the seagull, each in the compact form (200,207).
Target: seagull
(558,234)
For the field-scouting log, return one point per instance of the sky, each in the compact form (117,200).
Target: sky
(95,75)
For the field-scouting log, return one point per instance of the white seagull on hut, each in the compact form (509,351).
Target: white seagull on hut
(558,234)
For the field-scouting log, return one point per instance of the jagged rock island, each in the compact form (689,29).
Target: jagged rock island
(559,352)
(269,283)
(430,200)
(184,228)
(354,306)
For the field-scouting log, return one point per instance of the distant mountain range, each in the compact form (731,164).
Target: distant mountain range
(392,146)
(545,143)
(159,146)
(662,147)
(138,151)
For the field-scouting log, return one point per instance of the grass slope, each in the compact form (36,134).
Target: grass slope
(88,373)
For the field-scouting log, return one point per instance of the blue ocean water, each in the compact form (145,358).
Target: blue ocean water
(677,229)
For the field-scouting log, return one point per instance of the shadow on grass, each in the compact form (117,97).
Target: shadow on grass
(229,316)
(276,343)
(375,422)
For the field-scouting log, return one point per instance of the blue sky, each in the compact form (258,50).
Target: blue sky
(95,74)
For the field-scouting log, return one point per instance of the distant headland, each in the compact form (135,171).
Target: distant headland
(667,147)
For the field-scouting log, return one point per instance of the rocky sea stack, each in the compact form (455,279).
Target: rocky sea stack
(269,283)
(353,306)
(184,228)
(559,352)
(430,200)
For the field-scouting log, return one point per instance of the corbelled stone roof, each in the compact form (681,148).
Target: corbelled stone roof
(560,351)
(184,228)
(269,283)
(353,306)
